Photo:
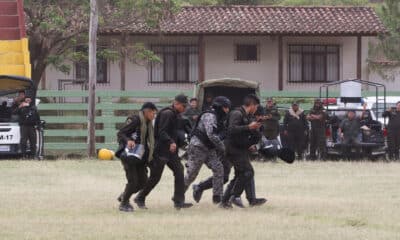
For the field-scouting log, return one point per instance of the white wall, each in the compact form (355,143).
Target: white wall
(220,62)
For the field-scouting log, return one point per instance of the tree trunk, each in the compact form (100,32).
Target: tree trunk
(122,63)
(92,77)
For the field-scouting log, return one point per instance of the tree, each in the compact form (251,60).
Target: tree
(94,23)
(388,46)
(56,27)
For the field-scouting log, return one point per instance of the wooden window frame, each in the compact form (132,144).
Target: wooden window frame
(313,67)
(237,45)
(106,74)
(189,49)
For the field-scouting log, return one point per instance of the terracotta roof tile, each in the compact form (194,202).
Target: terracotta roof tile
(265,20)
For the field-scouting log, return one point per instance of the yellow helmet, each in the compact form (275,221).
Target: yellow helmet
(105,154)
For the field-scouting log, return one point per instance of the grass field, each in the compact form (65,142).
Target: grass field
(307,200)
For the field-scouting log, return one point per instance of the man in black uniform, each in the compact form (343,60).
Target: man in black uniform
(166,153)
(393,131)
(137,130)
(28,119)
(243,135)
(295,128)
(271,120)
(317,117)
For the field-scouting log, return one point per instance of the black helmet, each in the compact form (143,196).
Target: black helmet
(222,101)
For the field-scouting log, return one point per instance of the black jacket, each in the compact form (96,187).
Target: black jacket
(130,131)
(28,116)
(239,135)
(293,124)
(166,132)
(394,119)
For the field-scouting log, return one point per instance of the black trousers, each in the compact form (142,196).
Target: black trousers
(244,174)
(249,188)
(296,141)
(393,139)
(317,141)
(348,144)
(136,174)
(28,133)
(157,166)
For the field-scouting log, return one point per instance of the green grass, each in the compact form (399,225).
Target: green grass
(307,200)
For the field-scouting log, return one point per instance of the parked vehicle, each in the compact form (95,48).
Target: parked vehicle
(380,107)
(232,88)
(10,137)
(372,136)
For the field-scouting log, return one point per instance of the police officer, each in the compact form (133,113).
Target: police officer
(243,135)
(271,120)
(349,130)
(317,118)
(165,153)
(137,130)
(206,146)
(28,119)
(393,131)
(295,128)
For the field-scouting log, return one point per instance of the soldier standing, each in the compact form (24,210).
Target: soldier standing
(295,125)
(271,123)
(393,131)
(137,130)
(165,153)
(206,146)
(317,117)
(28,119)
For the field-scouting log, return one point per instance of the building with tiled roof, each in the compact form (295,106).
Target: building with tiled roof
(282,48)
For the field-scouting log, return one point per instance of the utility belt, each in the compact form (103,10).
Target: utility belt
(202,136)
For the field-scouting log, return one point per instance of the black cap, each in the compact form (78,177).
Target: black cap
(181,98)
(222,101)
(149,105)
(295,103)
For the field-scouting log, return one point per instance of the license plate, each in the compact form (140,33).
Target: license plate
(4,148)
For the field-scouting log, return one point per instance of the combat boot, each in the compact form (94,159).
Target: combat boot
(237,201)
(226,205)
(217,199)
(125,207)
(257,202)
(197,192)
(179,206)
(140,203)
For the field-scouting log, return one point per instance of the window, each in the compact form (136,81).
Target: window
(246,52)
(179,64)
(313,63)
(82,68)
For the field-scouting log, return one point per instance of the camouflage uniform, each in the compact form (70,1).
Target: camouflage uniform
(200,153)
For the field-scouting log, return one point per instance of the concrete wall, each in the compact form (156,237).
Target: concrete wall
(220,62)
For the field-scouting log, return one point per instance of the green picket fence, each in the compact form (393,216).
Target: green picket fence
(65,113)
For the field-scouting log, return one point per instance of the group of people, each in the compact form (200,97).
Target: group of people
(221,138)
(26,114)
